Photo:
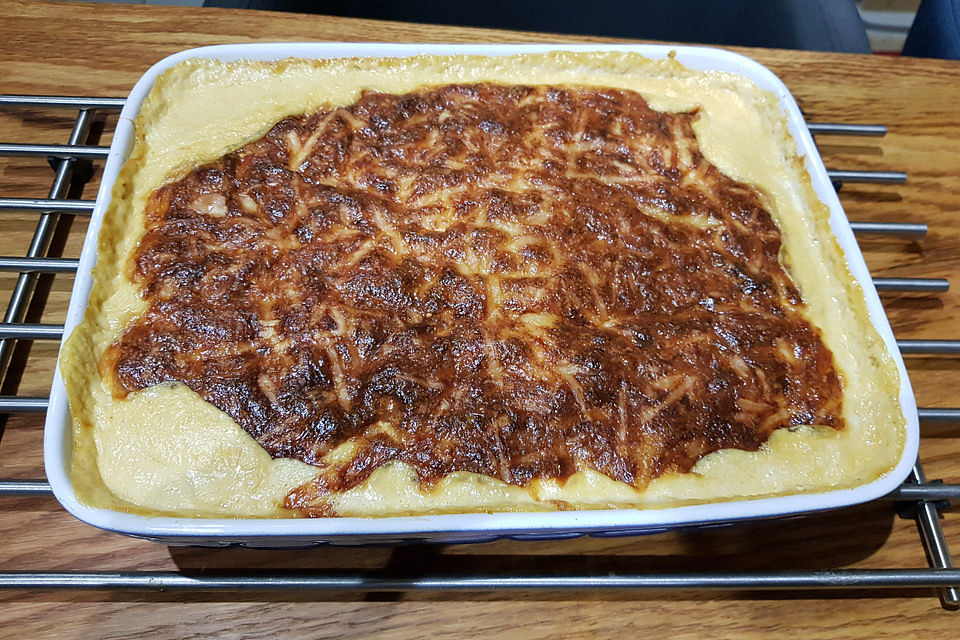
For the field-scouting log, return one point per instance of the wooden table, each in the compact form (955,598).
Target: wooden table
(97,49)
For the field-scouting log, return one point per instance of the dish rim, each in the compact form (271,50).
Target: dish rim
(58,429)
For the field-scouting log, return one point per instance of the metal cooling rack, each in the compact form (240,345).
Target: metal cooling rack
(918,498)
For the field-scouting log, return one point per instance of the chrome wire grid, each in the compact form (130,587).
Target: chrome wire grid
(919,498)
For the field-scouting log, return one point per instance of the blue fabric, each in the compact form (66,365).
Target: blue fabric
(816,25)
(936,31)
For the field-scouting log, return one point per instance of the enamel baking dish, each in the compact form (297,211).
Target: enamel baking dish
(473,527)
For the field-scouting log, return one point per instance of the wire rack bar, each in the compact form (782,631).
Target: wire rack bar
(87,206)
(26,331)
(23,404)
(890,228)
(111,104)
(47,204)
(938,553)
(883,177)
(28,404)
(69,151)
(838,129)
(928,285)
(911,492)
(68,102)
(40,265)
(906,492)
(12,488)
(932,414)
(945,347)
(108,104)
(23,331)
(20,298)
(87,151)
(168,580)
(61,265)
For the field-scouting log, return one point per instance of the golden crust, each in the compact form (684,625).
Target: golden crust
(165,450)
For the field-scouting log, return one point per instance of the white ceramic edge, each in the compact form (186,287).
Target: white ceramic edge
(58,430)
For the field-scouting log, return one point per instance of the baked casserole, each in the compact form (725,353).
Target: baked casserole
(449,284)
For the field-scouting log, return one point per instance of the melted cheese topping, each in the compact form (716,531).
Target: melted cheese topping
(597,295)
(138,453)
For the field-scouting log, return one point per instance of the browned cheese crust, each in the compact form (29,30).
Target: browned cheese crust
(514,281)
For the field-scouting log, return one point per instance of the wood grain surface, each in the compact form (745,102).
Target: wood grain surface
(101,49)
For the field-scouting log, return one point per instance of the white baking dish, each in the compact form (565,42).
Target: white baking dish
(478,526)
